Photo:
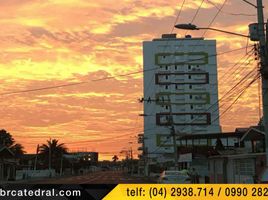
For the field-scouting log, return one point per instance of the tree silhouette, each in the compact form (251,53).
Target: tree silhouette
(115,158)
(7,140)
(219,145)
(17,149)
(56,150)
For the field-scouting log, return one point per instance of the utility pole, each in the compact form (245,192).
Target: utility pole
(173,134)
(35,160)
(61,163)
(49,157)
(264,73)
(131,158)
(146,162)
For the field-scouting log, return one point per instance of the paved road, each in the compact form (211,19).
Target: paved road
(103,177)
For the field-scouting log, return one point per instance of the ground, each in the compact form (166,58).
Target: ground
(101,177)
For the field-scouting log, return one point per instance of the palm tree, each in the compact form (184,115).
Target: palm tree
(55,150)
(17,149)
(115,158)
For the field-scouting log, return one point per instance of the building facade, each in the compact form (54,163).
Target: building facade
(180,89)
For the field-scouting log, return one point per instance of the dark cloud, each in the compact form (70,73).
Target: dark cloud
(39,32)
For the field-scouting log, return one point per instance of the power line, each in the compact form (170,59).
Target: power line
(65,85)
(197,11)
(209,56)
(168,136)
(195,15)
(243,91)
(259,98)
(242,69)
(235,92)
(229,93)
(229,13)
(43,88)
(177,18)
(237,64)
(214,18)
(166,45)
(108,77)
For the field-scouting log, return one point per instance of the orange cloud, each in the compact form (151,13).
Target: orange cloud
(46,43)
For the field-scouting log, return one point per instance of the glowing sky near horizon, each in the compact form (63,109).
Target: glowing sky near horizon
(51,42)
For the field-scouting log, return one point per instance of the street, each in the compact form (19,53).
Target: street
(101,177)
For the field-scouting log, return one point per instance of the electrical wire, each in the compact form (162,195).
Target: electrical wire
(243,91)
(221,99)
(214,18)
(237,64)
(259,98)
(178,16)
(172,29)
(228,13)
(231,91)
(107,78)
(225,79)
(226,110)
(195,15)
(219,10)
(211,22)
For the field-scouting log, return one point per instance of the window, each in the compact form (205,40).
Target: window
(190,86)
(192,107)
(166,77)
(244,167)
(192,117)
(166,87)
(166,107)
(176,67)
(189,66)
(189,76)
(166,67)
(191,96)
(176,86)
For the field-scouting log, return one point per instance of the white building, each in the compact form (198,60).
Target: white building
(180,77)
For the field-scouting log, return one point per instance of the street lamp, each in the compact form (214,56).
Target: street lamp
(257,33)
(194,27)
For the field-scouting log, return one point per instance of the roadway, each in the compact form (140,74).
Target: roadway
(101,177)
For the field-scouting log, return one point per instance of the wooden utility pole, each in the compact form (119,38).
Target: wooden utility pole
(264,73)
(173,135)
(50,154)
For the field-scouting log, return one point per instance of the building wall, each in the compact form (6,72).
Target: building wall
(232,170)
(180,76)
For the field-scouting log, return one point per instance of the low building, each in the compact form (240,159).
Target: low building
(81,162)
(8,164)
(243,164)
(234,157)
(233,167)
(84,156)
(27,161)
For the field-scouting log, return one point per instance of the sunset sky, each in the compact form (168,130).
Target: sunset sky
(53,42)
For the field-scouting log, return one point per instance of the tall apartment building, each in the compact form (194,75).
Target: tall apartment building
(180,85)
